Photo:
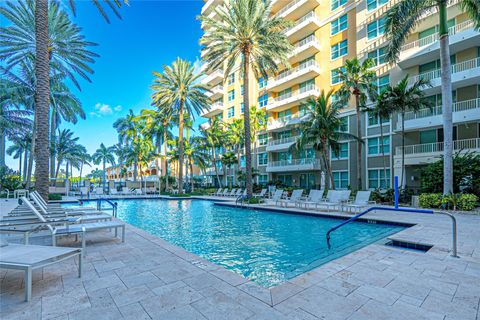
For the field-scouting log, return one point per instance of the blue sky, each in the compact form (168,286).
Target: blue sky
(150,35)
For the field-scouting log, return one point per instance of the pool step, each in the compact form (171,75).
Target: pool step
(408,245)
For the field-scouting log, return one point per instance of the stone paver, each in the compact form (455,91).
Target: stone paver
(149,278)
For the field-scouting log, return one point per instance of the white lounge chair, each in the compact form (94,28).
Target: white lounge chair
(56,208)
(335,198)
(314,197)
(362,200)
(219,190)
(276,197)
(138,192)
(99,191)
(232,193)
(114,192)
(296,195)
(261,194)
(225,193)
(29,257)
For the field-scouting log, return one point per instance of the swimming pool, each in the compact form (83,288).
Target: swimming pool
(266,247)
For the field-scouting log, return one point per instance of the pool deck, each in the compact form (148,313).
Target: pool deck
(149,278)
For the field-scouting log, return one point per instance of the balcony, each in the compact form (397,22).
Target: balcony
(280,123)
(211,172)
(209,6)
(463,111)
(288,100)
(303,27)
(281,144)
(304,49)
(419,154)
(215,109)
(214,78)
(296,9)
(303,72)
(461,36)
(215,92)
(464,73)
(306,164)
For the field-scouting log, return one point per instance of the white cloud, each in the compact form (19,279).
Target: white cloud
(103,109)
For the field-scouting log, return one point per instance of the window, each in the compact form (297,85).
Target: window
(307,154)
(339,24)
(284,135)
(335,75)
(285,179)
(287,93)
(263,100)
(377,179)
(374,120)
(231,112)
(285,156)
(242,108)
(338,3)
(342,152)
(375,145)
(373,4)
(263,179)
(262,139)
(302,110)
(285,115)
(340,179)
(262,82)
(242,162)
(307,180)
(262,159)
(343,127)
(307,85)
(376,28)
(231,95)
(339,49)
(378,55)
(242,89)
(382,83)
(231,78)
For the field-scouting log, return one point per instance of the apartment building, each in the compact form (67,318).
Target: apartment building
(324,35)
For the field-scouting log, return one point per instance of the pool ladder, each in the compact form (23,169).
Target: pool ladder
(240,201)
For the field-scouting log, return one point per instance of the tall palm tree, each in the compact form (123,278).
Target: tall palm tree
(16,151)
(321,129)
(382,110)
(236,137)
(103,155)
(69,60)
(128,133)
(178,91)
(404,97)
(246,30)
(357,83)
(84,160)
(213,137)
(401,20)
(65,144)
(258,123)
(196,154)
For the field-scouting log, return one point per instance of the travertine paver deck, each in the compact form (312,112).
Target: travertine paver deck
(149,278)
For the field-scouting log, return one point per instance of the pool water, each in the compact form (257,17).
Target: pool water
(266,247)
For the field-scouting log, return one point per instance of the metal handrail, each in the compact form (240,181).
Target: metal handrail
(454,222)
(113,204)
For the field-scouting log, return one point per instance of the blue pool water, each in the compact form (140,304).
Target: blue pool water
(264,246)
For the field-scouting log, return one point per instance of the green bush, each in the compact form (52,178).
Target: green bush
(54,196)
(464,202)
(10,182)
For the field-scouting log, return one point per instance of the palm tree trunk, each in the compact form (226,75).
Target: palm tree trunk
(20,164)
(32,156)
(446,101)
(52,139)
(80,175)
(180,148)
(42,98)
(191,174)
(135,170)
(328,168)
(359,143)
(103,175)
(58,168)
(2,148)
(383,154)
(403,151)
(215,166)
(25,159)
(165,149)
(246,119)
(238,164)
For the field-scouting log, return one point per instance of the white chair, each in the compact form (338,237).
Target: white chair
(296,195)
(335,198)
(314,197)
(362,200)
(219,190)
(276,197)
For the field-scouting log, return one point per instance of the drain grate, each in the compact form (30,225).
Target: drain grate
(409,245)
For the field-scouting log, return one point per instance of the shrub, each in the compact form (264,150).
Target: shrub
(10,182)
(464,202)
(54,196)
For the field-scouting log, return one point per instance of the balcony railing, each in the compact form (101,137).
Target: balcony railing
(465,144)
(458,67)
(313,163)
(288,7)
(468,24)
(300,68)
(437,110)
(282,141)
(310,15)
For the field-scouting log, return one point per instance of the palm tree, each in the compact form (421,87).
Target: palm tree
(195,153)
(321,129)
(357,82)
(213,137)
(228,160)
(128,133)
(17,150)
(32,21)
(103,155)
(258,123)
(246,30)
(84,159)
(402,98)
(382,110)
(401,20)
(236,137)
(177,91)
(64,145)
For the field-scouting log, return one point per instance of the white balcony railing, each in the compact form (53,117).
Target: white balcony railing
(312,162)
(458,67)
(437,110)
(468,24)
(282,141)
(289,6)
(311,15)
(466,144)
(300,68)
